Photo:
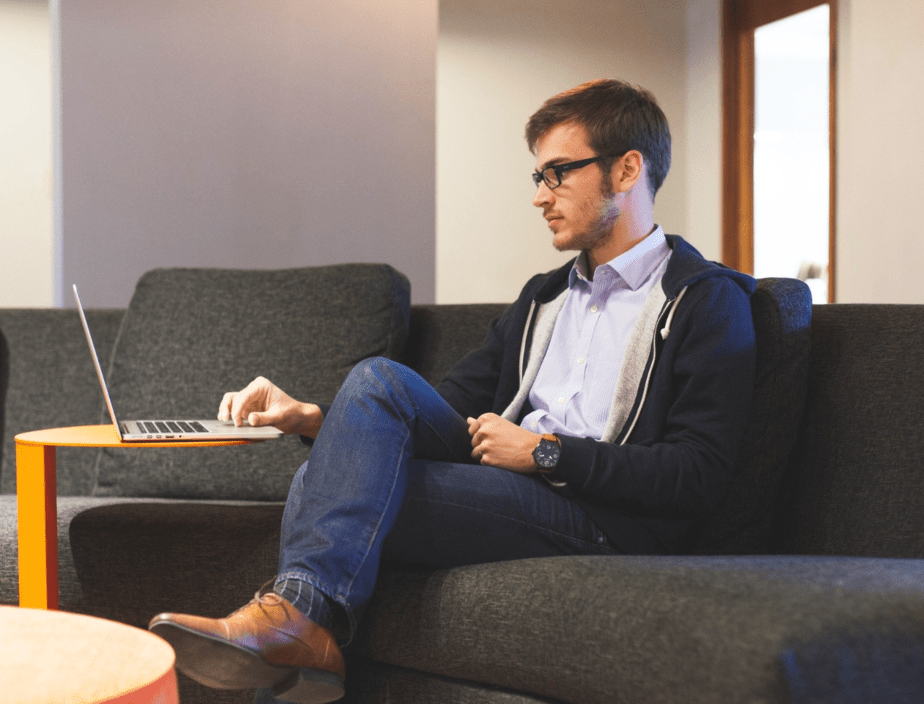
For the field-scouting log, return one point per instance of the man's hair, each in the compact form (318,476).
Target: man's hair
(618,118)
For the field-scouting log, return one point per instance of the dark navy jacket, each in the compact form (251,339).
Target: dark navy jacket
(645,490)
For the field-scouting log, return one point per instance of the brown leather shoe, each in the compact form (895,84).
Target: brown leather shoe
(267,643)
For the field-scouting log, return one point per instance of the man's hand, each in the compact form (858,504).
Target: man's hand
(263,403)
(500,443)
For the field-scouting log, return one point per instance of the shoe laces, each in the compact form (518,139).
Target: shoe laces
(260,596)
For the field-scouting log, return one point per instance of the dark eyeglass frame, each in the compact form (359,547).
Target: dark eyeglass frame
(560,169)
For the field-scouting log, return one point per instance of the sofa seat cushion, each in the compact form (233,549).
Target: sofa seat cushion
(370,682)
(189,335)
(128,559)
(660,629)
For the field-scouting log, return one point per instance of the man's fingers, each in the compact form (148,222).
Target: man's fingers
(257,419)
(224,408)
(241,404)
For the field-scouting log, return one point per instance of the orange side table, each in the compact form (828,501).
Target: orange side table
(36,501)
(54,656)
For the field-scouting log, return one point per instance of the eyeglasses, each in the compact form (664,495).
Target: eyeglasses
(552,174)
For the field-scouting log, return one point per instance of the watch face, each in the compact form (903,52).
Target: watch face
(546,453)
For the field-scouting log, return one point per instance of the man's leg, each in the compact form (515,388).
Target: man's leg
(342,504)
(344,501)
(455,515)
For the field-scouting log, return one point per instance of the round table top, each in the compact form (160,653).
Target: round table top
(54,656)
(106,436)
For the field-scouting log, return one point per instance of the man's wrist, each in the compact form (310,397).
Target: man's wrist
(546,453)
(312,418)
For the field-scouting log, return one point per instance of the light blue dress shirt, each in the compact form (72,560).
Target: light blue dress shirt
(574,389)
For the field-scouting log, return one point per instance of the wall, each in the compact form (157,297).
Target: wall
(26,234)
(197,135)
(498,60)
(245,134)
(880,147)
(702,131)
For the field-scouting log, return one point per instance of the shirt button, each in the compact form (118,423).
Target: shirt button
(561,399)
(580,360)
(593,309)
(534,425)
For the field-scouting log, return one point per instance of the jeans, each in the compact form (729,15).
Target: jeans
(391,474)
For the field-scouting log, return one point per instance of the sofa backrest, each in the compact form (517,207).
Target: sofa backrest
(52,384)
(855,482)
(781,309)
(188,335)
(440,335)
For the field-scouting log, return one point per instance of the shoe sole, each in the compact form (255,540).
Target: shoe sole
(219,664)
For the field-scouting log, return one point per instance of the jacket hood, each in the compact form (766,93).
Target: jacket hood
(687,266)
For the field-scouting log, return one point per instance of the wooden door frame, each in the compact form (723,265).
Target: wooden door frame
(739,20)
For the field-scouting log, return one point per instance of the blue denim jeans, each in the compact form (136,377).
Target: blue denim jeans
(391,474)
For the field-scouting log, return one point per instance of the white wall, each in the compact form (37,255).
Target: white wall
(233,133)
(702,131)
(498,61)
(880,147)
(26,235)
(198,134)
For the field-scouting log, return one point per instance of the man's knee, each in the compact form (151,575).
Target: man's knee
(375,375)
(373,367)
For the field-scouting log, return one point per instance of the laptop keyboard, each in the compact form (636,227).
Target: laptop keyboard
(171,426)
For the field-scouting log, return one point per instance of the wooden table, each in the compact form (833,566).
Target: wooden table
(53,656)
(36,500)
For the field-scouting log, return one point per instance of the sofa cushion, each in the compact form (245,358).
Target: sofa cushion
(441,335)
(855,484)
(189,335)
(661,630)
(52,384)
(70,592)
(370,682)
(782,313)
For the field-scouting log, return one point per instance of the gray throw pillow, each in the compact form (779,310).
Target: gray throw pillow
(189,335)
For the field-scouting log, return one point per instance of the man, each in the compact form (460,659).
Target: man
(601,416)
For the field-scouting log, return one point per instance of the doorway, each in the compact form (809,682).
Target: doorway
(778,140)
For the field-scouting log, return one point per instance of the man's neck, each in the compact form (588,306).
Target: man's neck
(626,234)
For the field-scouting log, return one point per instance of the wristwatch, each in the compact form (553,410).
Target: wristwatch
(546,453)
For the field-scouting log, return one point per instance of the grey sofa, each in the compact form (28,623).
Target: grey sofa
(807,585)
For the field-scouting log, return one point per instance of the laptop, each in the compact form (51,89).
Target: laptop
(147,430)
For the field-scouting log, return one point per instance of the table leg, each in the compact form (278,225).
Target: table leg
(37,512)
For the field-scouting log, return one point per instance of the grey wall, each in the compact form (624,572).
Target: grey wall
(237,133)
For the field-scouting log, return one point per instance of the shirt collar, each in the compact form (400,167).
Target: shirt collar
(633,266)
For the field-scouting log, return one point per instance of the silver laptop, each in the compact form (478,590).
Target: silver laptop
(146,430)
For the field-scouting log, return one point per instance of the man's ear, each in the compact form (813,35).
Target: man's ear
(627,171)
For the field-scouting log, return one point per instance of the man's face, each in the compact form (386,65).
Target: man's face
(582,211)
